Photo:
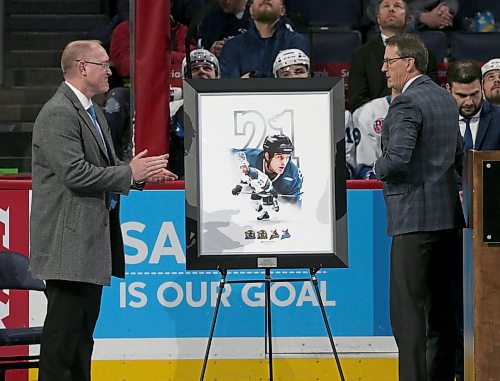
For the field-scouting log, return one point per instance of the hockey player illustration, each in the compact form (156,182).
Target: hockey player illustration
(274,161)
(261,188)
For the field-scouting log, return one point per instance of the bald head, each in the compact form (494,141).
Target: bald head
(85,65)
(74,51)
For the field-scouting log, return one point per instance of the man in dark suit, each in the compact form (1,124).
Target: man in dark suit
(366,82)
(479,120)
(422,148)
(75,235)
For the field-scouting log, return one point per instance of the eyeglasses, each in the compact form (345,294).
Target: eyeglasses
(104,65)
(389,61)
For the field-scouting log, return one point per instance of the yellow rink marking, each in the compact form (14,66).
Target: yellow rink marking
(355,369)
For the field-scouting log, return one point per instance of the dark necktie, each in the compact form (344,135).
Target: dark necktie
(111,197)
(468,135)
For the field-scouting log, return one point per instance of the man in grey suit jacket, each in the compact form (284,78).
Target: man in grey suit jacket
(422,148)
(76,242)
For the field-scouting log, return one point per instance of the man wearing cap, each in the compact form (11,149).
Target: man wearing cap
(204,65)
(491,81)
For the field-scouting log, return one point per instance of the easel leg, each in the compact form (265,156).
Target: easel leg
(269,335)
(314,281)
(222,283)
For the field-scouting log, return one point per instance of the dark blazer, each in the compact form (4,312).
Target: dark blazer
(366,80)
(488,133)
(422,147)
(73,235)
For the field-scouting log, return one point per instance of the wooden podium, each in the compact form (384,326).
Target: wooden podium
(482,266)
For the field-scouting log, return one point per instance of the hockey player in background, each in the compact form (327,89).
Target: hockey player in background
(261,188)
(294,63)
(368,119)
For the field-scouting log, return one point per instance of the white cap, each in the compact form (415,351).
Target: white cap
(201,55)
(290,57)
(493,64)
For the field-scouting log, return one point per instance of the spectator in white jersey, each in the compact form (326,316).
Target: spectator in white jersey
(367,121)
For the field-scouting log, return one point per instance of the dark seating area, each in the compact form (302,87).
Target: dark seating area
(34,34)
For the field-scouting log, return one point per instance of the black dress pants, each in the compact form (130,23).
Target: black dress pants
(67,337)
(421,304)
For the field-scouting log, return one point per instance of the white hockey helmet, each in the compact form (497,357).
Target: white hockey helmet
(493,64)
(201,55)
(290,57)
(241,157)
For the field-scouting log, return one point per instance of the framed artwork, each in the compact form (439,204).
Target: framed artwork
(265,173)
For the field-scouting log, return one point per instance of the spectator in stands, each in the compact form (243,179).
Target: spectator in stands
(368,120)
(479,120)
(294,63)
(291,63)
(366,81)
(423,15)
(117,101)
(178,34)
(491,81)
(204,65)
(226,19)
(252,54)
(184,10)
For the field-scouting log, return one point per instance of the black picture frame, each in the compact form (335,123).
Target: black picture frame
(212,108)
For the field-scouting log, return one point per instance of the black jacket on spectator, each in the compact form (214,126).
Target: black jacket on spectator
(366,79)
(218,25)
(183,11)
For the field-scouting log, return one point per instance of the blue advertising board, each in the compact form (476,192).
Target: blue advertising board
(160,299)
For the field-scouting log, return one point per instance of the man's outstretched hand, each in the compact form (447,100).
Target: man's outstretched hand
(151,168)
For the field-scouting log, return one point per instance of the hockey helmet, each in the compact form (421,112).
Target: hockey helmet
(290,57)
(201,55)
(278,144)
(241,157)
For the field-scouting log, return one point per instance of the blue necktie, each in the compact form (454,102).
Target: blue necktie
(111,197)
(91,112)
(468,135)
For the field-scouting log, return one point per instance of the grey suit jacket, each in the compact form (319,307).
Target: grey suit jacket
(421,149)
(73,234)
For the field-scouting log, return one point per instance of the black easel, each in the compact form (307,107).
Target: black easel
(268,333)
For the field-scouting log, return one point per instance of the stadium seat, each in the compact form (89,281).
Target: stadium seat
(14,275)
(436,42)
(478,46)
(340,13)
(329,46)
